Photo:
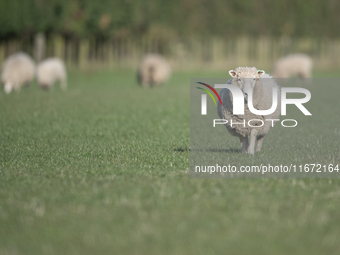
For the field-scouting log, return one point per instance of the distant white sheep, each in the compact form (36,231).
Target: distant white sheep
(18,70)
(261,84)
(295,64)
(153,70)
(50,71)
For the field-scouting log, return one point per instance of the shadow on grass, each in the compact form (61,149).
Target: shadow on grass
(182,149)
(231,150)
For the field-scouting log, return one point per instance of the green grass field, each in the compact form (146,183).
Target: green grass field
(104,169)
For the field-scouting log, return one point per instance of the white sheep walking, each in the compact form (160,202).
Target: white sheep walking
(295,64)
(18,70)
(153,70)
(51,70)
(261,84)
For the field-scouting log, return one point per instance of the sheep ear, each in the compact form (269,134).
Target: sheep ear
(261,72)
(232,73)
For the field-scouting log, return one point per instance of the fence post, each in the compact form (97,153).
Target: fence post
(83,57)
(39,47)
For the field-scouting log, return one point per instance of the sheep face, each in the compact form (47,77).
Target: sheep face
(44,86)
(45,82)
(246,79)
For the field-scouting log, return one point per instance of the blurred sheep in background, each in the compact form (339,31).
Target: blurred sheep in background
(295,64)
(153,70)
(18,70)
(50,71)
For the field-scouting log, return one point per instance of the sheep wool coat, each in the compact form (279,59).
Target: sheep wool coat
(262,100)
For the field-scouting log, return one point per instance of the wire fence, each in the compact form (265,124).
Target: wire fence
(184,54)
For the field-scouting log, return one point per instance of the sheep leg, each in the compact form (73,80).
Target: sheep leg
(251,146)
(244,144)
(259,142)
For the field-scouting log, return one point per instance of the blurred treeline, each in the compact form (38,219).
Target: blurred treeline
(109,33)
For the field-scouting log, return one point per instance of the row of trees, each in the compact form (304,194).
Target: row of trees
(135,18)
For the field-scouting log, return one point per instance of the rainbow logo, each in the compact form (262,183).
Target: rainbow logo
(208,92)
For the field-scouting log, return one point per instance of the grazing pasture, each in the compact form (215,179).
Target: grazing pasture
(103,168)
